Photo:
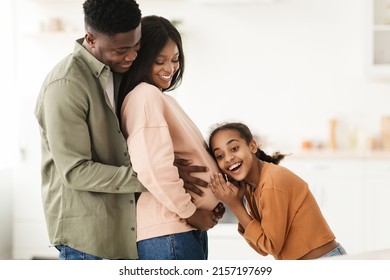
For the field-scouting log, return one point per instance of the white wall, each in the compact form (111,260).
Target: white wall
(8,108)
(285,68)
(8,115)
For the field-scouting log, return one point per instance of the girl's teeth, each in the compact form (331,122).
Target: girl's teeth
(233,166)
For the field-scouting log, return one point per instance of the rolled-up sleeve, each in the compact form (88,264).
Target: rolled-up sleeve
(268,235)
(63,114)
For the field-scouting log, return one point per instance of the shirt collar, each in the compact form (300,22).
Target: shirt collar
(100,70)
(97,67)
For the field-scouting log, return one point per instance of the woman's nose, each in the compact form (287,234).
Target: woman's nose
(170,68)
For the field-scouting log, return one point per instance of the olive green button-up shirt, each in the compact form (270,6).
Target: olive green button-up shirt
(88,184)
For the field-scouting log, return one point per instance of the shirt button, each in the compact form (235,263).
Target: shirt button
(131,201)
(117,188)
(125,154)
(132,229)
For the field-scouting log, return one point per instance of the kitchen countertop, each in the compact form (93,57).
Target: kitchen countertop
(371,255)
(339,154)
(225,234)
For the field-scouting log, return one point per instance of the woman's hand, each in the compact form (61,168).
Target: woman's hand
(219,211)
(203,219)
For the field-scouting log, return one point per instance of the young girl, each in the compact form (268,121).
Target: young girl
(171,223)
(280,217)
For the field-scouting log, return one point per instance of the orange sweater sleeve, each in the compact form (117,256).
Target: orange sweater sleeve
(268,235)
(287,221)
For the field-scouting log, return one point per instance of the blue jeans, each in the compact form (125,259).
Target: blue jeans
(191,245)
(338,251)
(67,253)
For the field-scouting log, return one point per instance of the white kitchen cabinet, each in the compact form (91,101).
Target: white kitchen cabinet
(338,186)
(379,38)
(378,194)
(353,193)
(225,243)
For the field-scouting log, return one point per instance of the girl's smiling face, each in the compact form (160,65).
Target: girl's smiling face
(234,156)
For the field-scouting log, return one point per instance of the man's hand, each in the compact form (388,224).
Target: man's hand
(191,183)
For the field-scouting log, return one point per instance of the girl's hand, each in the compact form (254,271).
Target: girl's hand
(241,191)
(232,196)
(225,191)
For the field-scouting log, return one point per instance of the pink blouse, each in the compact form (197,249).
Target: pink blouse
(158,131)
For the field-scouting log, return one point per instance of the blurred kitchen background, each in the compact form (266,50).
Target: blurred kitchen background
(310,77)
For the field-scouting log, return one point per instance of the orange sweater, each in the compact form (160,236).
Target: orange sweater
(158,130)
(288,222)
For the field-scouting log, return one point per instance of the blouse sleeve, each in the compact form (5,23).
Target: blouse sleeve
(151,149)
(268,235)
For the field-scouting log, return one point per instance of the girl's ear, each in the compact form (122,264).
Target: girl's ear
(253,146)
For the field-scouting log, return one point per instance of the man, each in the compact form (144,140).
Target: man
(88,185)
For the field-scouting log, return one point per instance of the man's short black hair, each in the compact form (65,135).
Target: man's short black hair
(111,16)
